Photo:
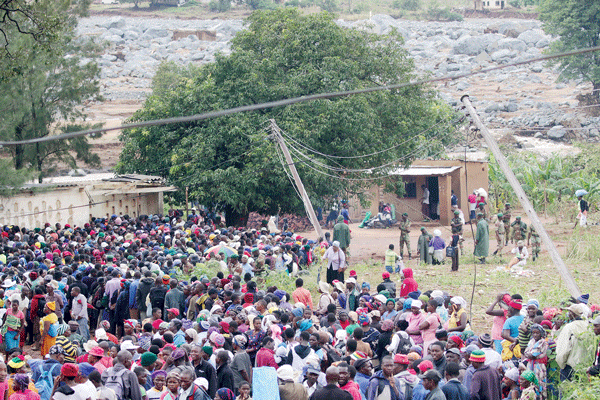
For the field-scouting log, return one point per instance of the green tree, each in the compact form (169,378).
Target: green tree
(231,163)
(44,98)
(577,24)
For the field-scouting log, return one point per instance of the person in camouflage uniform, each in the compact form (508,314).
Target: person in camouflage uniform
(536,242)
(457,224)
(506,216)
(481,209)
(423,246)
(404,235)
(519,230)
(500,234)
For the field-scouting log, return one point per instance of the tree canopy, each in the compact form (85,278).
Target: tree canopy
(43,96)
(577,22)
(230,163)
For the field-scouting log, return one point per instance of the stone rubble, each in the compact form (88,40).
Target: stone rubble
(135,47)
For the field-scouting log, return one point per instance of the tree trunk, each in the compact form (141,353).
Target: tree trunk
(19,150)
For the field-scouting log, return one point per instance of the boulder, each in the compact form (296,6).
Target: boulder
(154,33)
(115,22)
(502,55)
(512,44)
(545,42)
(474,45)
(557,132)
(532,36)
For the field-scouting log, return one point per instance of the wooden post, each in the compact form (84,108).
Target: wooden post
(512,179)
(186,203)
(305,199)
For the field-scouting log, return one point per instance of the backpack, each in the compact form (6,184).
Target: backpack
(45,382)
(404,345)
(157,298)
(115,382)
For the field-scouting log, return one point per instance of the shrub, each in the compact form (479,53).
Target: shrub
(219,5)
(408,5)
(329,5)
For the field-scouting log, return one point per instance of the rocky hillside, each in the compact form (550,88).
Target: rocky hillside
(526,101)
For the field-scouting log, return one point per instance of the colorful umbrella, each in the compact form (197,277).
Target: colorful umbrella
(228,251)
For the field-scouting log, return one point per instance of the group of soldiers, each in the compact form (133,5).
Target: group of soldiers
(506,230)
(515,232)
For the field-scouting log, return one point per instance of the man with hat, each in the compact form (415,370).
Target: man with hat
(423,246)
(457,224)
(492,357)
(311,382)
(387,284)
(482,239)
(431,380)
(570,349)
(325,299)
(405,235)
(289,389)
(364,371)
(486,382)
(407,380)
(519,230)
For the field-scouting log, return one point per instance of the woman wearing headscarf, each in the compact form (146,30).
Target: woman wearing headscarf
(525,327)
(387,331)
(159,380)
(21,388)
(48,328)
(529,385)
(172,391)
(536,354)
(438,245)
(225,394)
(459,320)
(14,323)
(325,299)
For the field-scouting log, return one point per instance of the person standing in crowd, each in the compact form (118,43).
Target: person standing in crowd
(405,235)
(482,239)
(472,206)
(423,246)
(336,263)
(341,234)
(583,211)
(500,234)
(425,203)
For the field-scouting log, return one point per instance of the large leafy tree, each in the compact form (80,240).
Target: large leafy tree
(577,22)
(44,94)
(230,162)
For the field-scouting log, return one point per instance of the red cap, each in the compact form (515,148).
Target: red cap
(401,359)
(425,366)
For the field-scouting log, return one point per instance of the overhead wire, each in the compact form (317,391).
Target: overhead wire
(295,100)
(370,154)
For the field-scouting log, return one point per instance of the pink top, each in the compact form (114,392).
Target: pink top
(497,326)
(429,333)
(413,324)
(472,198)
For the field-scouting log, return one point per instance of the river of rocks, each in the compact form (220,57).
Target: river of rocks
(526,99)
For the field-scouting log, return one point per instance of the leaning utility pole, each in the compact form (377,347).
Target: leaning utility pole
(305,199)
(512,179)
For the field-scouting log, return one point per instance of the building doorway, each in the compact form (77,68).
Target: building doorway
(434,197)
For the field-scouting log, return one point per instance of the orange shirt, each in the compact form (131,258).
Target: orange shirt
(303,296)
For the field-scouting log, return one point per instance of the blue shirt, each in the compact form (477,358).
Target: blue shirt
(132,291)
(512,324)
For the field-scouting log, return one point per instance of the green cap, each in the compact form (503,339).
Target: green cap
(456,212)
(500,215)
(405,214)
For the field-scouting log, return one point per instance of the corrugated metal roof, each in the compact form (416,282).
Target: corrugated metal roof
(98,177)
(424,171)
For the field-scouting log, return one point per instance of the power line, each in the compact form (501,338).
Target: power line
(295,100)
(375,153)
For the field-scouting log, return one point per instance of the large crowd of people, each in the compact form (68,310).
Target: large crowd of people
(116,310)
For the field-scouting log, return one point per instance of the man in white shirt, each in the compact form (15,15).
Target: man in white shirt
(521,255)
(79,313)
(425,202)
(311,383)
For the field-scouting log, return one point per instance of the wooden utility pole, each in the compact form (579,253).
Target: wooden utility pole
(512,179)
(305,199)
(186,203)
